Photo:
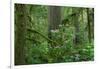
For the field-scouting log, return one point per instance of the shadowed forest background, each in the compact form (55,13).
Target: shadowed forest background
(53,34)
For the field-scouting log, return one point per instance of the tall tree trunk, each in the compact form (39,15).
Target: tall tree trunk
(92,23)
(20,33)
(54,18)
(76,25)
(84,21)
(89,25)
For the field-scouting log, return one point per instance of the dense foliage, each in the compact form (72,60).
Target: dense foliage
(72,41)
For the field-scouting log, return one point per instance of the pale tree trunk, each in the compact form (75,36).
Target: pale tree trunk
(76,25)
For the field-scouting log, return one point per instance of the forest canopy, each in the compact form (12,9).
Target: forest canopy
(53,34)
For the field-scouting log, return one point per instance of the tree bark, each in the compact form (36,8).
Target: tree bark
(20,33)
(92,23)
(89,25)
(76,25)
(54,19)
